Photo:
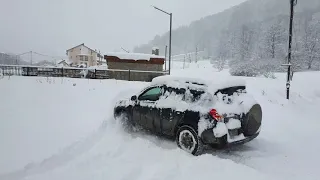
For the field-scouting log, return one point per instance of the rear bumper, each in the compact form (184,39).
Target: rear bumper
(208,138)
(243,141)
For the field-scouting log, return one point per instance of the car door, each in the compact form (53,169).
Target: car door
(170,117)
(147,107)
(166,115)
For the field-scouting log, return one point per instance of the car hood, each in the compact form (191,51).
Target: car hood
(124,103)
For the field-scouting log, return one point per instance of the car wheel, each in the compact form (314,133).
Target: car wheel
(188,140)
(252,120)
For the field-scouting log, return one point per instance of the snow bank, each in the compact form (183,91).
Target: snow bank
(36,130)
(133,56)
(41,116)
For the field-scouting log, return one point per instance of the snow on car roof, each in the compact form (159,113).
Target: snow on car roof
(133,56)
(197,83)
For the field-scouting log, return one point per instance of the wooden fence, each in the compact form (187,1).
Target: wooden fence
(89,73)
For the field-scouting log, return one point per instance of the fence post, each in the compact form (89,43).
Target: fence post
(95,73)
(129,74)
(62,72)
(27,71)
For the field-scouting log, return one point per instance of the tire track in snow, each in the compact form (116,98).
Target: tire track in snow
(109,127)
(71,152)
(66,155)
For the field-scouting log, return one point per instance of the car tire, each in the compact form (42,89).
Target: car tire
(188,140)
(252,120)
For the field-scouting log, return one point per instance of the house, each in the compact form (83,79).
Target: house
(82,54)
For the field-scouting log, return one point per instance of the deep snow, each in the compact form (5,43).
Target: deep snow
(54,128)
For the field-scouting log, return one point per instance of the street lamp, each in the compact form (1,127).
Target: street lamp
(289,72)
(170,14)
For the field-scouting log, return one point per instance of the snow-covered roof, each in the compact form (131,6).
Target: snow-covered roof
(65,61)
(81,49)
(171,78)
(213,84)
(133,56)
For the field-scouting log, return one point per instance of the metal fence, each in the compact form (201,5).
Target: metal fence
(89,73)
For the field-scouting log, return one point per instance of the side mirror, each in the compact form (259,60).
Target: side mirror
(133,98)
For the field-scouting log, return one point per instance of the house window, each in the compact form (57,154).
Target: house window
(86,58)
(81,58)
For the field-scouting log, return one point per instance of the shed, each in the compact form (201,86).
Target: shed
(134,66)
(134,61)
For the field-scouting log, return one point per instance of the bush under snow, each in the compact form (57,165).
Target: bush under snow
(254,68)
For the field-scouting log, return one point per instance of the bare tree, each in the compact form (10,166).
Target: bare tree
(311,41)
(244,43)
(274,39)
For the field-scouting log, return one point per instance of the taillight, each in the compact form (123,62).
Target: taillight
(215,115)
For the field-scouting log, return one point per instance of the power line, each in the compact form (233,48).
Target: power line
(48,55)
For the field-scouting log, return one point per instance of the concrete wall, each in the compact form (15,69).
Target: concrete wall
(135,66)
(132,76)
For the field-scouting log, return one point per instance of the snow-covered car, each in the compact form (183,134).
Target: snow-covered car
(194,112)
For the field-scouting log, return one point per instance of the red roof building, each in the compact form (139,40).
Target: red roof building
(134,61)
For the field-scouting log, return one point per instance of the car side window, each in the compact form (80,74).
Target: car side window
(152,94)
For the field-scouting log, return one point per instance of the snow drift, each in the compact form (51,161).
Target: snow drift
(51,129)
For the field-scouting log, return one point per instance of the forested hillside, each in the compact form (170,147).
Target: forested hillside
(256,30)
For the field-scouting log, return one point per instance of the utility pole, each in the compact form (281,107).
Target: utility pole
(100,57)
(165,57)
(31,56)
(289,73)
(170,43)
(184,61)
(125,50)
(196,58)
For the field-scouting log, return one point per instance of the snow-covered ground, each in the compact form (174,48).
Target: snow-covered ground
(61,128)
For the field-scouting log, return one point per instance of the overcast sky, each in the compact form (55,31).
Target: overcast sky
(52,26)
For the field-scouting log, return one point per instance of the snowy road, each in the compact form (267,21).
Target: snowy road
(75,136)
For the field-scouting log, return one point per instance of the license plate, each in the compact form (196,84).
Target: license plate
(233,132)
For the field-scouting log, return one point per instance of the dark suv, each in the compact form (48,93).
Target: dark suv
(194,112)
